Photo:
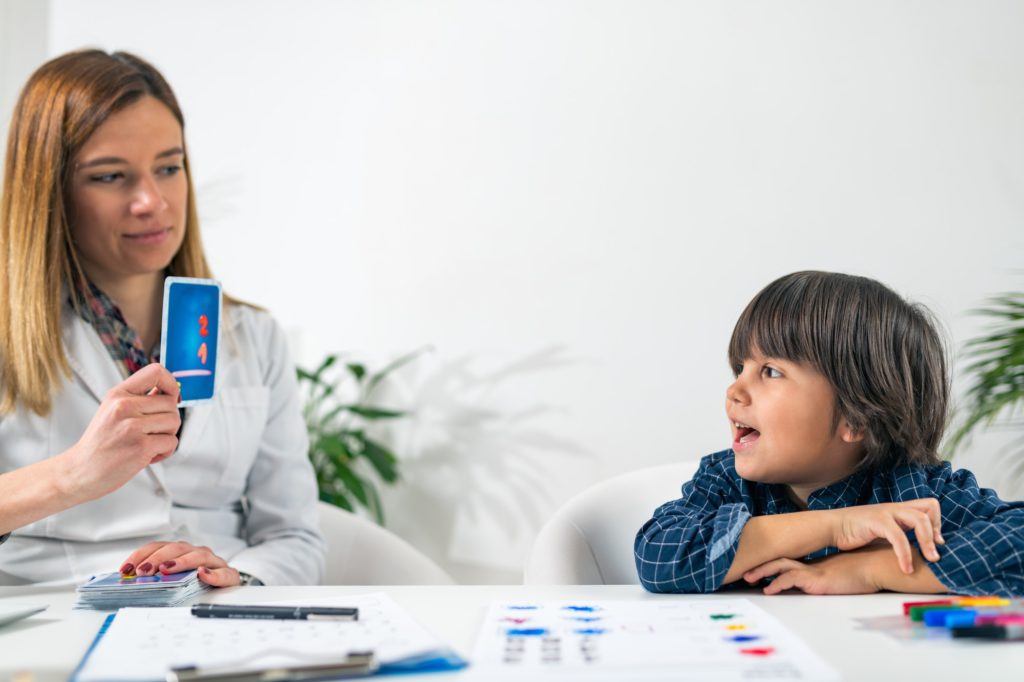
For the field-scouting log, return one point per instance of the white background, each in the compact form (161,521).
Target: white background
(571,202)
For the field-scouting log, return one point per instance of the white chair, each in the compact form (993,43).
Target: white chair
(589,540)
(359,552)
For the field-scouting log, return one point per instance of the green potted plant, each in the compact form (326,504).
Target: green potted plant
(348,462)
(996,368)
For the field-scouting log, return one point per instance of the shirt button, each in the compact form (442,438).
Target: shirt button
(160,492)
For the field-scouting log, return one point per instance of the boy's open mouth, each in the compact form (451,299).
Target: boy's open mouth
(745,434)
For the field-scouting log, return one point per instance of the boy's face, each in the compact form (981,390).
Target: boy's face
(781,414)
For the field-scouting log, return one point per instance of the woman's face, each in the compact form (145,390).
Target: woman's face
(128,194)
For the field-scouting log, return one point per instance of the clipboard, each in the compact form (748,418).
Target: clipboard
(115,653)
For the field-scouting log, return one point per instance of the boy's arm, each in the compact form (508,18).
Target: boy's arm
(795,535)
(984,552)
(689,543)
(780,535)
(861,571)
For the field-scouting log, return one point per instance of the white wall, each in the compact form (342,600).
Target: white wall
(24,26)
(571,201)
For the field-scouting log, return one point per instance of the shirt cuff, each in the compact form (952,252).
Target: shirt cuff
(725,538)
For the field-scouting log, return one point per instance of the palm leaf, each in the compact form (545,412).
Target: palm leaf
(996,367)
(337,439)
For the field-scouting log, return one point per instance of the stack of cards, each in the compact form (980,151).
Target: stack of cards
(113,590)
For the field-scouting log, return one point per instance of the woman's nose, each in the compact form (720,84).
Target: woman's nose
(147,197)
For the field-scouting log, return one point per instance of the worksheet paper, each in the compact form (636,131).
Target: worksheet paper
(144,643)
(670,639)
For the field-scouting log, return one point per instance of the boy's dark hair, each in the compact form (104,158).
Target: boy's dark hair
(882,355)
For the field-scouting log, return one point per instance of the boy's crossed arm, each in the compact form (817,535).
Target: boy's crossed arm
(770,545)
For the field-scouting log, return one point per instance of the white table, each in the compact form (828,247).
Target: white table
(864,637)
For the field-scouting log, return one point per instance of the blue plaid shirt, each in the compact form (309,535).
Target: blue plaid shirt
(691,542)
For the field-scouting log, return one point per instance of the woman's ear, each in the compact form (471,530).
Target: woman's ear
(850,433)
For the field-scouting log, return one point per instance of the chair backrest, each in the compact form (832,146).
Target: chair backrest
(360,552)
(589,540)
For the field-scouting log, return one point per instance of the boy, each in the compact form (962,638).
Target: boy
(838,406)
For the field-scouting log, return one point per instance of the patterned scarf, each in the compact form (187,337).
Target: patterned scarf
(121,341)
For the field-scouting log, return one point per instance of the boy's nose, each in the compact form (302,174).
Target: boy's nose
(737,393)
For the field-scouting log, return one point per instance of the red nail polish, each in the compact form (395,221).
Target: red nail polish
(167,565)
(146,567)
(127,569)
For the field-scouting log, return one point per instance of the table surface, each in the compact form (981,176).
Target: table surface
(864,637)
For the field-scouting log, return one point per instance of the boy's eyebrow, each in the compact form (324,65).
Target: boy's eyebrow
(112,160)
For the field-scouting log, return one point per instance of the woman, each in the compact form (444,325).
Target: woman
(98,470)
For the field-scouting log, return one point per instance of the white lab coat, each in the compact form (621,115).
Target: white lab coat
(240,481)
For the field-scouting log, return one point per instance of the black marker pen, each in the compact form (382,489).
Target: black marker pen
(275,612)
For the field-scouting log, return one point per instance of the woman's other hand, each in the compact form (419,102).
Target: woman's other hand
(135,425)
(177,557)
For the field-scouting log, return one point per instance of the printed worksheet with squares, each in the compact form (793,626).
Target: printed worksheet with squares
(671,639)
(144,643)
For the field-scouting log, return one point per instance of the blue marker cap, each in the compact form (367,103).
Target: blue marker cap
(939,617)
(962,619)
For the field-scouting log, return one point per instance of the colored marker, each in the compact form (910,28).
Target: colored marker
(947,617)
(986,618)
(910,606)
(990,632)
(953,616)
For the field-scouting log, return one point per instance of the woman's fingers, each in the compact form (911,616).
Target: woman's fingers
(157,404)
(135,558)
(177,557)
(219,577)
(165,559)
(150,377)
(197,558)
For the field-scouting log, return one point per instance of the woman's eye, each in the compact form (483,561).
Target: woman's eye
(771,372)
(106,178)
(170,170)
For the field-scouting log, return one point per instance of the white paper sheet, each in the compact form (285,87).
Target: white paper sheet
(672,639)
(143,643)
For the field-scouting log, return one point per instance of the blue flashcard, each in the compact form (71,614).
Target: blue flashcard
(191,335)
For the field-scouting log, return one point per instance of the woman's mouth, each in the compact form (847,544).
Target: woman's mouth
(744,435)
(149,237)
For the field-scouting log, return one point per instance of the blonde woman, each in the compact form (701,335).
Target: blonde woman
(99,468)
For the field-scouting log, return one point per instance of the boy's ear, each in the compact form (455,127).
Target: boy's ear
(850,433)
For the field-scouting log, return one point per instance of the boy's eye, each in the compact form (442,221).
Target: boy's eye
(771,372)
(737,370)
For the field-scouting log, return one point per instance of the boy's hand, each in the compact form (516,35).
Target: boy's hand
(855,527)
(843,573)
